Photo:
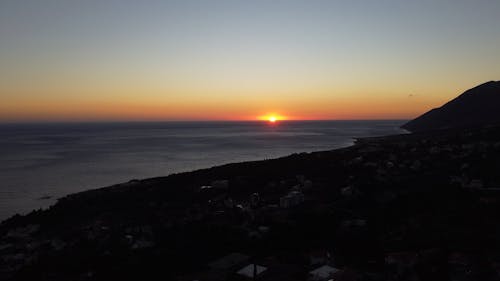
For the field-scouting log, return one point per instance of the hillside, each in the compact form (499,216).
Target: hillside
(478,106)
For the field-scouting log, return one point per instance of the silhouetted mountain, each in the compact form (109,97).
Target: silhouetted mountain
(478,106)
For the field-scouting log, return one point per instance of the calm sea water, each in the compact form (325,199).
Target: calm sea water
(41,162)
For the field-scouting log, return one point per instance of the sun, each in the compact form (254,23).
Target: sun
(272,118)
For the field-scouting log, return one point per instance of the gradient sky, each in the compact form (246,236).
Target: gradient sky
(213,60)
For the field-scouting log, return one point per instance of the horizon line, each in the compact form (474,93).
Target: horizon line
(189,120)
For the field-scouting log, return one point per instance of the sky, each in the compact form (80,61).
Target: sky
(64,60)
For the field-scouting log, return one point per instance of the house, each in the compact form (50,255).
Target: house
(349,191)
(23,232)
(401,265)
(292,199)
(263,229)
(324,272)
(220,184)
(475,184)
(319,257)
(252,270)
(142,244)
(229,203)
(209,275)
(416,166)
(354,223)
(254,199)
(350,275)
(401,259)
(460,267)
(356,161)
(307,184)
(205,187)
(229,261)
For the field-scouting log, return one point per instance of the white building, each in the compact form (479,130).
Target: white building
(252,270)
(324,272)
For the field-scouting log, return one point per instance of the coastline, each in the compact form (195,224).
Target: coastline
(352,201)
(235,165)
(40,161)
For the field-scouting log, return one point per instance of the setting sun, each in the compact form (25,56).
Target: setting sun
(272,118)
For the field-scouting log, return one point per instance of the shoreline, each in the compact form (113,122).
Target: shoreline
(135,180)
(61,160)
(353,202)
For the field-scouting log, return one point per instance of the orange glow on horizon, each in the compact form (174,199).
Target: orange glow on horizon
(189,108)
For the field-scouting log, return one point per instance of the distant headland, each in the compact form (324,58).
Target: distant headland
(479,106)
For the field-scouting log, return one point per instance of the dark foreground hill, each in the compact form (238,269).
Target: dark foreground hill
(478,106)
(408,207)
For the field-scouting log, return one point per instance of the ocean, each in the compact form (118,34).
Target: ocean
(42,162)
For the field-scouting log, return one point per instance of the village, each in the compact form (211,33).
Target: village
(407,207)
